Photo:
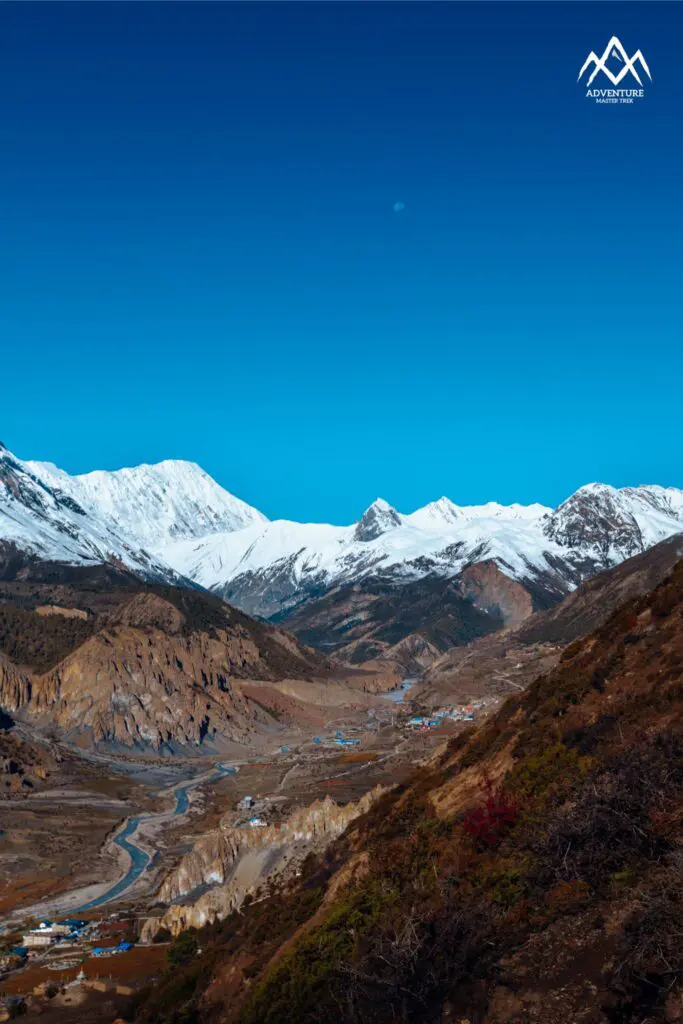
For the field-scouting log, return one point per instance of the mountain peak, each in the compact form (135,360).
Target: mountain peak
(436,513)
(376,520)
(155,504)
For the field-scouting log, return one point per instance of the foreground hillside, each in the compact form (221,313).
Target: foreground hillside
(100,657)
(530,873)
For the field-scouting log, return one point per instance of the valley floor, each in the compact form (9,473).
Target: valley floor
(58,850)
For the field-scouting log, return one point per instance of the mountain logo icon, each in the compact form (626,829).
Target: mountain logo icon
(616,51)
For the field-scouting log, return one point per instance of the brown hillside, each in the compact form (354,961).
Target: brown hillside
(133,664)
(530,874)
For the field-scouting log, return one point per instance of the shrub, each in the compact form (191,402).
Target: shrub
(183,949)
(487,823)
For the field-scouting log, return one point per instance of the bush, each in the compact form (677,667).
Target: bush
(488,823)
(183,949)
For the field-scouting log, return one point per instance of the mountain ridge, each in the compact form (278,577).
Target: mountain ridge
(171,522)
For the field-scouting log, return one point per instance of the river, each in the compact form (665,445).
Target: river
(399,695)
(139,858)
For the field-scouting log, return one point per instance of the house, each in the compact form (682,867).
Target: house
(58,930)
(257,823)
(39,939)
(245,803)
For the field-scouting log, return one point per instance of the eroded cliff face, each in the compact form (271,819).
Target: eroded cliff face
(492,591)
(237,861)
(131,687)
(146,678)
(15,685)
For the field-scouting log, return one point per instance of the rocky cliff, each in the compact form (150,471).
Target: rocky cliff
(144,669)
(491,591)
(239,860)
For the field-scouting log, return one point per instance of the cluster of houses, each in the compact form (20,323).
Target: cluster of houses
(47,933)
(67,933)
(340,739)
(453,713)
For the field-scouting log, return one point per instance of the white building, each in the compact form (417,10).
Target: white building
(39,938)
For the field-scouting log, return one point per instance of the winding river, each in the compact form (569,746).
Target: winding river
(139,858)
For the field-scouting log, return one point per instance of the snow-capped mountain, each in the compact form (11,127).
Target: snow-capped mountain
(45,521)
(173,520)
(269,569)
(128,515)
(153,505)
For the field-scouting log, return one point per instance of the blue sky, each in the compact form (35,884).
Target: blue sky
(200,256)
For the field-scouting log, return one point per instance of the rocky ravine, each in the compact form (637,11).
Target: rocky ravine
(238,861)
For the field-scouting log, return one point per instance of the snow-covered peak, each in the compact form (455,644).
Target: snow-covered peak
(615,522)
(155,504)
(45,520)
(376,520)
(435,514)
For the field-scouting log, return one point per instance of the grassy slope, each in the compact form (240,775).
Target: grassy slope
(556,895)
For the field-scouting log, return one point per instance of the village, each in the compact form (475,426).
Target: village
(66,961)
(451,713)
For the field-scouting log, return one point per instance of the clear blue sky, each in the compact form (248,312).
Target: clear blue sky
(200,258)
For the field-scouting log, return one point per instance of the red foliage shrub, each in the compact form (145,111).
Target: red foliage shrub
(487,823)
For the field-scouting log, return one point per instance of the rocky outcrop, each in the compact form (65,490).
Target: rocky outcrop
(68,613)
(131,687)
(15,685)
(238,860)
(490,590)
(376,520)
(407,659)
(23,765)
